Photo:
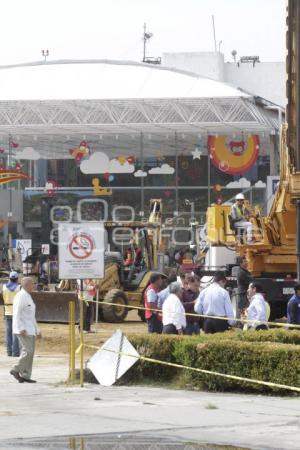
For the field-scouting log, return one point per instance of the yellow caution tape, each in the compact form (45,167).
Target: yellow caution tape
(287,325)
(208,372)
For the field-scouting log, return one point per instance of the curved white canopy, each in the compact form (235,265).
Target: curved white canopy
(105,79)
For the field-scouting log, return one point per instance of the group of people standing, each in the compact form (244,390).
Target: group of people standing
(182,308)
(166,308)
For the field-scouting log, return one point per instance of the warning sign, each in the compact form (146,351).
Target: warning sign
(81,250)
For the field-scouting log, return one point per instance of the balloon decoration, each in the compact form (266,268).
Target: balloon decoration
(13,144)
(167,194)
(81,152)
(234,157)
(111,178)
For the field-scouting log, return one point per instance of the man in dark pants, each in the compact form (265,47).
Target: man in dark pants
(215,301)
(153,318)
(243,278)
(293,307)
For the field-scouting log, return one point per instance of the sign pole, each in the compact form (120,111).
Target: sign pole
(81,332)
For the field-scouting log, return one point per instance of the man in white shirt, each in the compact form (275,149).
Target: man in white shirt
(215,301)
(257,311)
(173,313)
(26,329)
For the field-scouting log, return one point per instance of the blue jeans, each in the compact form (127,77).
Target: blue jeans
(12,343)
(192,328)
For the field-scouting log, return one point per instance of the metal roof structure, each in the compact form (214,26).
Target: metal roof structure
(102,96)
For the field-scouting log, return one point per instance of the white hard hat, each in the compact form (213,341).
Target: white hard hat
(13,275)
(240,197)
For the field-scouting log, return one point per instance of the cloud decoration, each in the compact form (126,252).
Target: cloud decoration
(29,153)
(140,173)
(100,163)
(241,183)
(115,166)
(165,169)
(260,184)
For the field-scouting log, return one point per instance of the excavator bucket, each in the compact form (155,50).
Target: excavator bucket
(53,307)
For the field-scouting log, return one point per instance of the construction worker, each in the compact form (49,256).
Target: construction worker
(240,216)
(10,290)
(153,318)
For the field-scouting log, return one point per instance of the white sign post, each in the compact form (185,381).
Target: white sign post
(81,255)
(81,250)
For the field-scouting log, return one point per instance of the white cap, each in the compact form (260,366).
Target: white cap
(14,275)
(240,197)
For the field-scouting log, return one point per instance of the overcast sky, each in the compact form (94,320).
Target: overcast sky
(113,28)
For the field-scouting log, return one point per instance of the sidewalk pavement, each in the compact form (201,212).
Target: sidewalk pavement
(51,408)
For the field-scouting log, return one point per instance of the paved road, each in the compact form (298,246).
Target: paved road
(51,408)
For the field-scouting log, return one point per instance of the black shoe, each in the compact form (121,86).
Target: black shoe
(9,354)
(27,380)
(15,356)
(17,376)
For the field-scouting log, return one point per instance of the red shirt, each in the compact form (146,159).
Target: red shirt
(151,294)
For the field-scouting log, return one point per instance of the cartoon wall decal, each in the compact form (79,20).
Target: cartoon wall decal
(196,153)
(131,159)
(140,173)
(242,183)
(122,159)
(81,152)
(260,184)
(29,153)
(233,157)
(10,175)
(98,189)
(165,169)
(51,187)
(99,163)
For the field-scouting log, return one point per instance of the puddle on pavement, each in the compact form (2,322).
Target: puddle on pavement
(110,442)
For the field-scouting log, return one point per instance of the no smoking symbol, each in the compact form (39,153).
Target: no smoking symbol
(81,246)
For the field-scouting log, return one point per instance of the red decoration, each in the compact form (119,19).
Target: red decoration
(106,176)
(167,194)
(51,188)
(2,150)
(14,144)
(18,166)
(131,159)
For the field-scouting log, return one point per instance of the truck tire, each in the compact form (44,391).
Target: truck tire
(113,313)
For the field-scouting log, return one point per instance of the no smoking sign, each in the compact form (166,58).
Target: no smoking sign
(81,245)
(81,250)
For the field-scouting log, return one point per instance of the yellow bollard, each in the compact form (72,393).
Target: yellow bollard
(81,332)
(71,342)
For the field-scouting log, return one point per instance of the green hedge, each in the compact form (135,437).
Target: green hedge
(262,355)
